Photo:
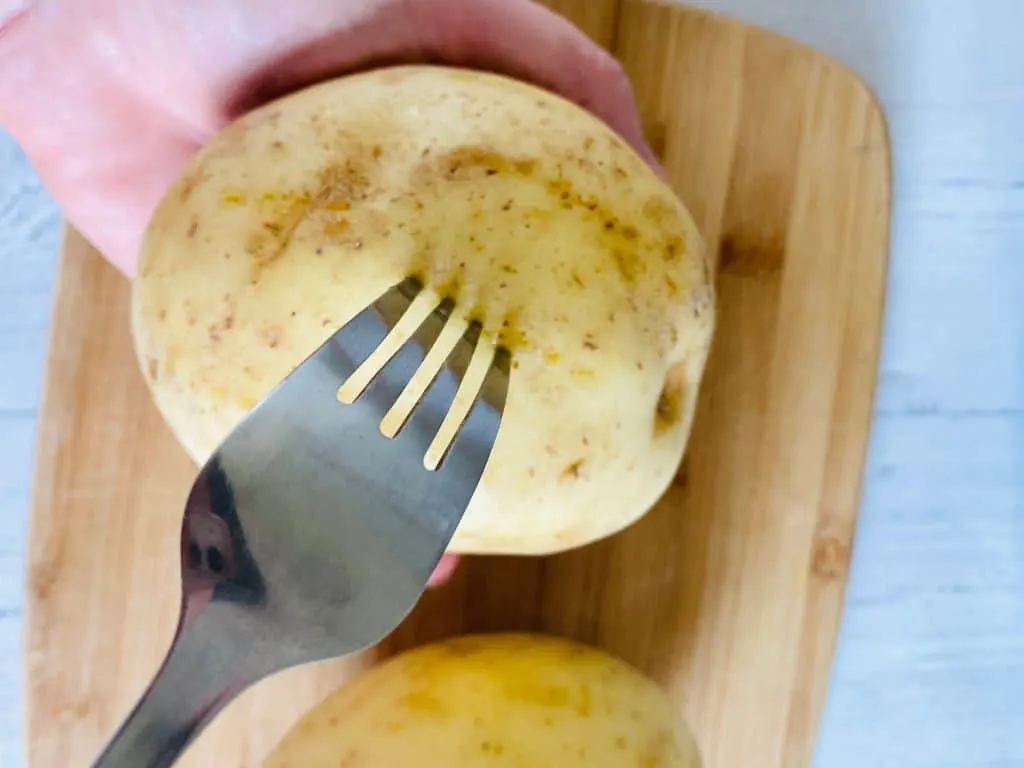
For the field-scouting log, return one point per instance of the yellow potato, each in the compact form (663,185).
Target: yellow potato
(493,701)
(529,212)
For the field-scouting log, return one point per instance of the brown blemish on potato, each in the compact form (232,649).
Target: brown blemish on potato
(345,181)
(628,264)
(422,703)
(657,210)
(272,336)
(580,372)
(471,162)
(674,249)
(334,227)
(193,227)
(669,409)
(590,342)
(282,213)
(511,335)
(233,197)
(189,182)
(495,748)
(572,471)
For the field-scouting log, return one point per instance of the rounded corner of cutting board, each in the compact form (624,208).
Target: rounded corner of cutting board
(782,156)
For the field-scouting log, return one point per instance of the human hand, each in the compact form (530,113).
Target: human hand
(110,98)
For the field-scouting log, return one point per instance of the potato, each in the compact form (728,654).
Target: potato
(499,700)
(535,217)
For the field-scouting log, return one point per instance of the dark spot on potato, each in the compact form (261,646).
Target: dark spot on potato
(589,342)
(189,182)
(283,213)
(657,210)
(669,409)
(470,162)
(628,263)
(495,748)
(193,227)
(272,336)
(674,249)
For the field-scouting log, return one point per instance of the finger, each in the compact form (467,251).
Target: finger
(444,571)
(105,156)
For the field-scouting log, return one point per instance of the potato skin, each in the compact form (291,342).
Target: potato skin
(527,701)
(529,212)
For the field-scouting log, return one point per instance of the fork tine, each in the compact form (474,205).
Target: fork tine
(439,339)
(480,363)
(353,344)
(404,309)
(474,442)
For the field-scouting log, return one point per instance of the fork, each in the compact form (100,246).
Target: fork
(313,529)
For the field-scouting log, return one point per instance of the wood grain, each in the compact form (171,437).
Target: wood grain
(728,593)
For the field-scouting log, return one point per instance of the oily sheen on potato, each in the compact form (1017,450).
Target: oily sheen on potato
(531,214)
(490,701)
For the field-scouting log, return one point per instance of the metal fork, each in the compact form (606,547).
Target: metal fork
(308,535)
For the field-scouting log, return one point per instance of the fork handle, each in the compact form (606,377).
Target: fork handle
(197,679)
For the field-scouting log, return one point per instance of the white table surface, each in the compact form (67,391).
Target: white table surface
(930,667)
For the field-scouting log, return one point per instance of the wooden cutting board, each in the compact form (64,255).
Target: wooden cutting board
(728,593)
